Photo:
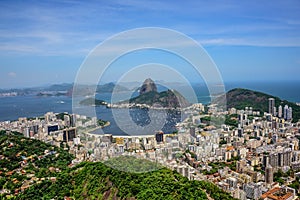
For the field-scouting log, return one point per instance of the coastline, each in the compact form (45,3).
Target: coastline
(88,131)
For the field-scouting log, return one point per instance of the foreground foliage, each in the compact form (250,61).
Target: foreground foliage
(90,180)
(97,181)
(24,161)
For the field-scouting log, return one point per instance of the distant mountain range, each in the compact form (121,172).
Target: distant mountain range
(65,89)
(92,102)
(240,98)
(110,87)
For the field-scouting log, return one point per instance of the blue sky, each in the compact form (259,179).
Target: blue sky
(43,42)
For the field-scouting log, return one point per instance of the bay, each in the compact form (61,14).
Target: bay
(11,108)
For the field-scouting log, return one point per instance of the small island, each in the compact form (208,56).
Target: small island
(93,102)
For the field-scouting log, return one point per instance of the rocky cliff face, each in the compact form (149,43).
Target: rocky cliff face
(150,96)
(148,86)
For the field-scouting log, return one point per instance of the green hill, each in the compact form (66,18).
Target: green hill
(46,175)
(168,99)
(92,102)
(24,161)
(110,87)
(240,98)
(149,95)
(97,181)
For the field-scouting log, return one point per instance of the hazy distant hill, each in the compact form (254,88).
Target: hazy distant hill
(60,87)
(240,98)
(92,102)
(67,89)
(110,87)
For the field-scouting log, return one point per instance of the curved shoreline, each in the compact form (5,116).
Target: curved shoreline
(88,132)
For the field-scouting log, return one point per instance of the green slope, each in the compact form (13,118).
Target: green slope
(97,181)
(92,102)
(15,150)
(240,98)
(168,99)
(110,87)
(90,180)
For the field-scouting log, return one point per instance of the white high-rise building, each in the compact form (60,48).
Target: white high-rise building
(271,105)
(290,113)
(274,111)
(285,111)
(252,190)
(269,175)
(280,111)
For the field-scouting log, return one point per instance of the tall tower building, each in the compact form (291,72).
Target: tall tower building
(273,160)
(285,157)
(159,136)
(271,105)
(73,120)
(193,131)
(280,111)
(274,112)
(240,165)
(285,111)
(69,134)
(290,113)
(242,118)
(67,120)
(269,175)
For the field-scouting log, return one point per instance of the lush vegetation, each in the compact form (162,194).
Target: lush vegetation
(23,161)
(215,166)
(231,120)
(89,180)
(222,142)
(213,191)
(280,175)
(92,101)
(102,122)
(240,98)
(97,181)
(217,121)
(131,164)
(168,99)
(61,116)
(296,185)
(110,87)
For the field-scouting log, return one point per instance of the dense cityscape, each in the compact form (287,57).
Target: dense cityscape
(256,156)
(149,100)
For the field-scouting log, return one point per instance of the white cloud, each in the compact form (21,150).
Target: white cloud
(257,41)
(75,29)
(12,74)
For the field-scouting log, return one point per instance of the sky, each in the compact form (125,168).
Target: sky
(45,42)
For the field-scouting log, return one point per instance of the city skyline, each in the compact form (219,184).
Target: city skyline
(46,42)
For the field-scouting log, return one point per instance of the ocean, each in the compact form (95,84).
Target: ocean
(11,108)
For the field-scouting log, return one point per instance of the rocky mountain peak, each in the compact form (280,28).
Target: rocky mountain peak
(148,86)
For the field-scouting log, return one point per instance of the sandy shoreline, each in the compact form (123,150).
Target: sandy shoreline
(88,132)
